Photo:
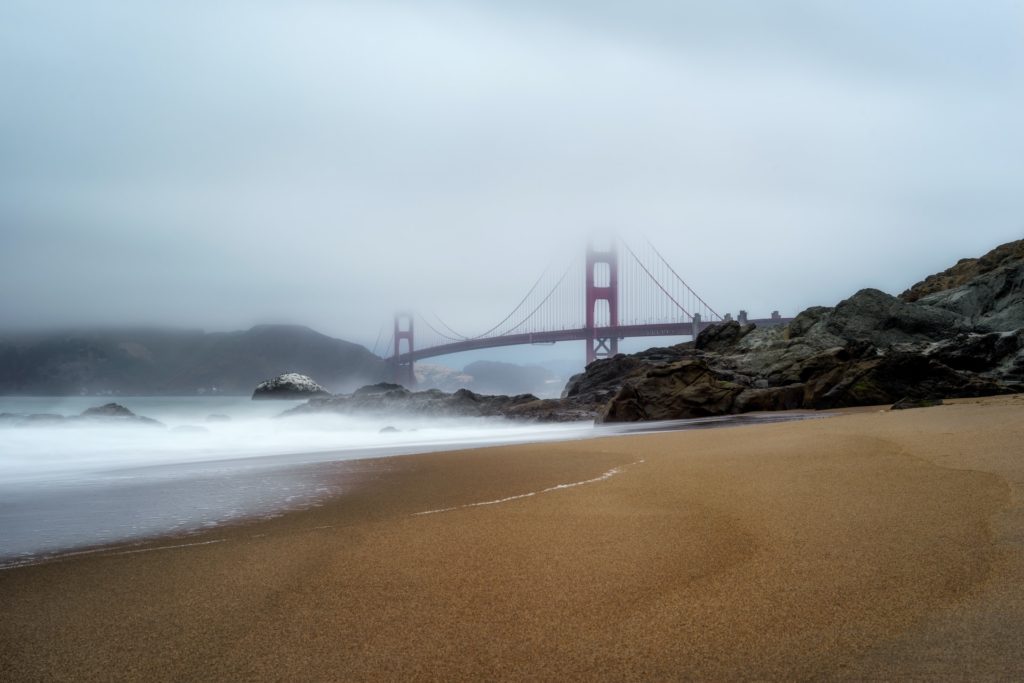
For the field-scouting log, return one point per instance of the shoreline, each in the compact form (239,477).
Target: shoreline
(879,545)
(231,491)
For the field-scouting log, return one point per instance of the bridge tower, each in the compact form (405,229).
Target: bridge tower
(602,287)
(404,370)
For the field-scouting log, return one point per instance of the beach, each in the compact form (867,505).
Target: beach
(873,544)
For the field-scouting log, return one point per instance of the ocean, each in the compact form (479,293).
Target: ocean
(77,484)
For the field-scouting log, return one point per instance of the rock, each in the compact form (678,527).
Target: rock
(993,302)
(552,410)
(389,430)
(115,412)
(883,320)
(996,354)
(789,397)
(44,418)
(966,270)
(218,418)
(889,378)
(907,403)
(108,410)
(681,390)
(380,388)
(21,420)
(290,385)
(394,399)
(722,336)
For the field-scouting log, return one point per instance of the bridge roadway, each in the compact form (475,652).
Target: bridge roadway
(621,332)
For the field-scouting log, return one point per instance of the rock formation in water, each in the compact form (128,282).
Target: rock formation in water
(290,385)
(387,398)
(109,413)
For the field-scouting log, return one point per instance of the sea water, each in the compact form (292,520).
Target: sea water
(72,484)
(82,483)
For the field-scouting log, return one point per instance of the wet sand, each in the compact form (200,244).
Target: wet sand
(872,545)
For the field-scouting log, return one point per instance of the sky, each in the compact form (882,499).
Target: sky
(219,164)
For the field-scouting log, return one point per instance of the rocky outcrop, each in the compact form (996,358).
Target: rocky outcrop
(1003,257)
(688,387)
(108,410)
(109,413)
(290,385)
(873,348)
(389,399)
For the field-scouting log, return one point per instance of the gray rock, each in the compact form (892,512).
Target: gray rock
(393,399)
(114,413)
(290,385)
(108,410)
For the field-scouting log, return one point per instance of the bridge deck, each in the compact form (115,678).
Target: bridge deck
(621,332)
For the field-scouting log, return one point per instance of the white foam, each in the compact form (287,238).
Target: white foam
(74,449)
(557,487)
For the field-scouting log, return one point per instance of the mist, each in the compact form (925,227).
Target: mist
(218,165)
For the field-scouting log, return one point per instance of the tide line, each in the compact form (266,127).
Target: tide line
(169,547)
(557,487)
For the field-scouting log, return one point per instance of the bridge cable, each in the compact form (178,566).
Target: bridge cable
(655,280)
(518,306)
(543,301)
(672,270)
(435,330)
(447,326)
(376,344)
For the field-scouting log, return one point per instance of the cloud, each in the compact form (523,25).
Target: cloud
(219,164)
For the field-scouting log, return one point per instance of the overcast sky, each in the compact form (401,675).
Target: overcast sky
(217,164)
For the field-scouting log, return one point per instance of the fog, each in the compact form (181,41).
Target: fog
(222,164)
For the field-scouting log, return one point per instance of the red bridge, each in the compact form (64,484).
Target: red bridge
(600,299)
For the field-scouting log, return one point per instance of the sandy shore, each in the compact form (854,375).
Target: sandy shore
(872,545)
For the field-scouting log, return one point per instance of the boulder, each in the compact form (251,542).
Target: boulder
(108,410)
(722,336)
(889,378)
(681,390)
(291,385)
(389,399)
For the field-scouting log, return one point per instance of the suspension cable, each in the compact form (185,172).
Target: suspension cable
(673,271)
(436,331)
(447,326)
(520,305)
(544,301)
(655,280)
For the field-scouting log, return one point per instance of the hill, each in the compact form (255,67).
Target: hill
(178,362)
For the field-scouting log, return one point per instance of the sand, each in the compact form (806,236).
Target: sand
(881,545)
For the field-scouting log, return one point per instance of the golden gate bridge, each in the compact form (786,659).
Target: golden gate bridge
(609,295)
